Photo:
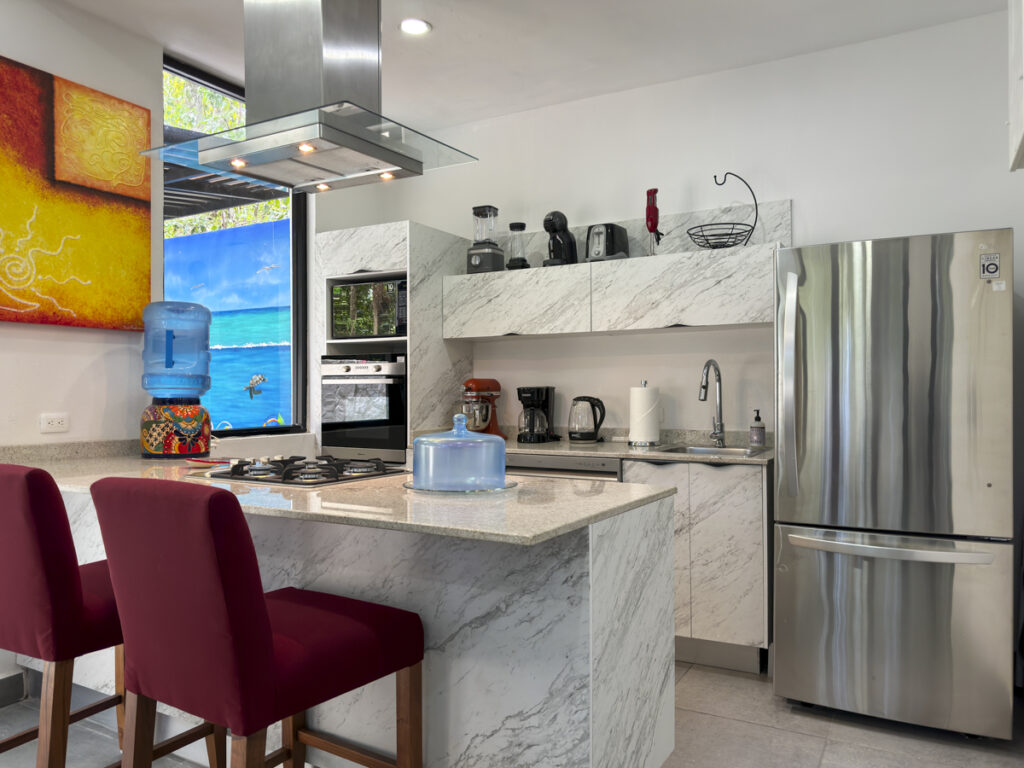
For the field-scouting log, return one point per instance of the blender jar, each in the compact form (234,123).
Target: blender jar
(517,246)
(485,222)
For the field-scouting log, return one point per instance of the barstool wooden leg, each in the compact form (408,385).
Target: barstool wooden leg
(119,690)
(54,714)
(249,751)
(217,747)
(409,695)
(140,720)
(290,728)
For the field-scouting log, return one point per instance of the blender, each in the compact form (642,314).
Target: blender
(517,246)
(485,255)
(479,405)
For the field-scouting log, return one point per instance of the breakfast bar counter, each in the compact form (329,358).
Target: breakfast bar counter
(547,607)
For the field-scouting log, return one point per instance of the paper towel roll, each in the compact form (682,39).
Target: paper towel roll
(644,415)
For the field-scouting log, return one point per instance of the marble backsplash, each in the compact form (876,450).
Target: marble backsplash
(774,225)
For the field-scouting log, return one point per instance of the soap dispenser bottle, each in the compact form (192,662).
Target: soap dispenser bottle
(757,430)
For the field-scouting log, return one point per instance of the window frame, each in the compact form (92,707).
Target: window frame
(299,217)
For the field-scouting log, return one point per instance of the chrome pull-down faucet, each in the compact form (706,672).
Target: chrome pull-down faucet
(717,429)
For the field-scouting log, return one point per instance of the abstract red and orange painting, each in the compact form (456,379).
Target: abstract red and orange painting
(75,203)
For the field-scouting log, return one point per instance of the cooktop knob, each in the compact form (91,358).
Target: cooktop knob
(376,368)
(346,368)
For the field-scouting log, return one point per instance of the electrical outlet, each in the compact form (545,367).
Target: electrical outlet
(53,422)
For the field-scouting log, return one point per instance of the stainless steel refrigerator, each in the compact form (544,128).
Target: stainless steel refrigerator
(893,577)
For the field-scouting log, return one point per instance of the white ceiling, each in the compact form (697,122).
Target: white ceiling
(493,57)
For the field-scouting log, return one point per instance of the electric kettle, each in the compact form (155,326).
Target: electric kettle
(585,418)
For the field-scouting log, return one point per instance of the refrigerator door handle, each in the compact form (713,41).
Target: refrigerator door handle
(891,553)
(788,442)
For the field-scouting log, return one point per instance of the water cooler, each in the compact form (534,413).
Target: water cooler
(176,357)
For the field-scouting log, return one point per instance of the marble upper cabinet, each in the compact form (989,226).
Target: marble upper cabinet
(678,286)
(521,302)
(720,287)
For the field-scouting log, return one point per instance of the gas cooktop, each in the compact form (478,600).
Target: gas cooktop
(298,470)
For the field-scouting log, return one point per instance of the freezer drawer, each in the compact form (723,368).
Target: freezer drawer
(907,628)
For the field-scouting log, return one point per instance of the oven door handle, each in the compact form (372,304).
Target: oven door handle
(344,380)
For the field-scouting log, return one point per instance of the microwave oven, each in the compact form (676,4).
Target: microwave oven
(375,309)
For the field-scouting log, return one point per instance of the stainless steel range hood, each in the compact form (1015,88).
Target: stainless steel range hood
(300,55)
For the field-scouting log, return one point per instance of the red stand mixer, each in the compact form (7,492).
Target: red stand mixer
(479,404)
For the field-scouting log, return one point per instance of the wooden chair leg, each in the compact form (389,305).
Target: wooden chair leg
(217,748)
(140,720)
(249,751)
(54,714)
(290,728)
(119,690)
(409,690)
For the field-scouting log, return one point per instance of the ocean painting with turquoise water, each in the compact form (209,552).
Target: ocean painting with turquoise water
(243,276)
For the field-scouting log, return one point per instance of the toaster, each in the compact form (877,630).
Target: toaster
(606,241)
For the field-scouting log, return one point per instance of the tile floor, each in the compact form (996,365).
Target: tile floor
(723,720)
(732,720)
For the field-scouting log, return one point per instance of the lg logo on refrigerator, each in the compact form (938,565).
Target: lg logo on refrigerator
(989,266)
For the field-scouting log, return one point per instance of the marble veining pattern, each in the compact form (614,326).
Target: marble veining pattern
(620,449)
(506,671)
(631,612)
(677,474)
(437,367)
(379,248)
(376,248)
(719,287)
(774,225)
(532,512)
(517,643)
(727,554)
(528,301)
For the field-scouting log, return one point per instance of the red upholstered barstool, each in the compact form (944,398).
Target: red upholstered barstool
(50,607)
(201,635)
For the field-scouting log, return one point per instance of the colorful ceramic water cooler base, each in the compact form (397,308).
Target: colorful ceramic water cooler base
(174,428)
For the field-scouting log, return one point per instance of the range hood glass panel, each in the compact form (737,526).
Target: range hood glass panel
(356,142)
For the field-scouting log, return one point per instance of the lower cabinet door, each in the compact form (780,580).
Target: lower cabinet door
(677,474)
(727,557)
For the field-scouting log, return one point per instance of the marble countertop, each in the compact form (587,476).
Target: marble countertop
(537,509)
(614,449)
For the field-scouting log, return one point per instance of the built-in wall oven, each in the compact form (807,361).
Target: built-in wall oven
(364,407)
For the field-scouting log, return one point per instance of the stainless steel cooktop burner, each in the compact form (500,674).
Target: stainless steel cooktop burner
(298,470)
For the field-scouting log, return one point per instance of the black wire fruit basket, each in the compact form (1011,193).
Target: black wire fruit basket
(725,234)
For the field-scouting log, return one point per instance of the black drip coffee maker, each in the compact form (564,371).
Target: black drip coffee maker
(535,418)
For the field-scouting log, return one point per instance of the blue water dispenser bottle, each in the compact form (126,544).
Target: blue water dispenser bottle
(176,359)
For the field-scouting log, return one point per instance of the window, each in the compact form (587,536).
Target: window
(239,250)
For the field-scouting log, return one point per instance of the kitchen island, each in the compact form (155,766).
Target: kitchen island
(547,608)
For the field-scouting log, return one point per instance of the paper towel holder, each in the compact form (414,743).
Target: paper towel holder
(635,420)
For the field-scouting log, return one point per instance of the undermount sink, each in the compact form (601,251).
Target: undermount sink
(708,450)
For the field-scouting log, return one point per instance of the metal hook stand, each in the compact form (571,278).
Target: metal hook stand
(725,234)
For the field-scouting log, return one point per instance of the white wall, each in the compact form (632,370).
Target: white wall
(94,375)
(897,136)
(607,366)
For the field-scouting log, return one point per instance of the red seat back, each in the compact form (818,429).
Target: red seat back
(184,571)
(40,587)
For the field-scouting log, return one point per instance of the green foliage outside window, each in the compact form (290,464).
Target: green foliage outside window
(197,107)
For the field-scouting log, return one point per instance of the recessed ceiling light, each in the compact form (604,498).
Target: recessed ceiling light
(306,147)
(238,163)
(415,26)
(387,176)
(323,187)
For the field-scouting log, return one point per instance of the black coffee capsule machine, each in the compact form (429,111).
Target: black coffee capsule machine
(485,255)
(561,243)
